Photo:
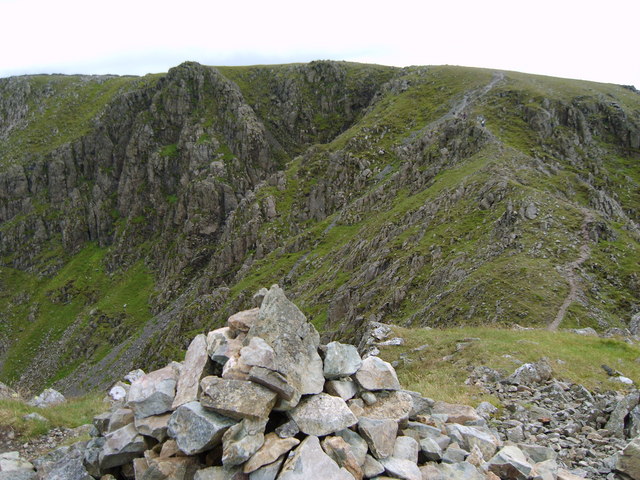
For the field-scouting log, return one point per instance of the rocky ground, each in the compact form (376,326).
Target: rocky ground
(262,399)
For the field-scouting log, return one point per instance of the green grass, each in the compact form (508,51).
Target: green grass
(573,357)
(73,413)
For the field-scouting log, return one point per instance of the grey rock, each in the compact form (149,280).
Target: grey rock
(294,340)
(401,468)
(322,414)
(546,470)
(196,366)
(345,389)
(629,460)
(91,455)
(452,471)
(537,453)
(454,454)
(430,450)
(155,426)
(48,398)
(340,452)
(380,435)
(376,374)
(173,468)
(23,474)
(258,297)
(268,472)
(10,461)
(122,446)
(396,405)
(221,345)
(371,467)
(153,393)
(421,405)
(272,448)
(456,413)
(406,448)
(287,430)
(359,446)
(368,397)
(237,398)
(243,321)
(510,463)
(467,437)
(241,441)
(120,418)
(531,373)
(70,468)
(36,417)
(196,429)
(486,410)
(101,422)
(134,375)
(258,353)
(616,422)
(341,360)
(274,381)
(309,462)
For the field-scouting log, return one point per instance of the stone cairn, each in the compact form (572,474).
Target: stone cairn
(261,399)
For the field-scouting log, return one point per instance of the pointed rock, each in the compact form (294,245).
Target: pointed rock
(293,339)
(195,368)
(322,414)
(345,389)
(153,393)
(272,448)
(468,437)
(510,463)
(237,398)
(222,345)
(379,434)
(376,374)
(243,321)
(196,429)
(309,462)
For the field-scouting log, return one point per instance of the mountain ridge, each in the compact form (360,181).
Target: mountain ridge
(461,189)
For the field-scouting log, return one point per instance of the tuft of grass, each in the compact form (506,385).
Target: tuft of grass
(440,370)
(71,414)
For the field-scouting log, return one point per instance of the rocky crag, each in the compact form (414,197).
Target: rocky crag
(262,399)
(135,212)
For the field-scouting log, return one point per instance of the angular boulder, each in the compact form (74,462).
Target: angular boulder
(153,393)
(241,441)
(510,463)
(376,374)
(272,449)
(237,398)
(322,414)
(309,462)
(629,460)
(341,360)
(380,435)
(196,429)
(155,426)
(48,398)
(122,446)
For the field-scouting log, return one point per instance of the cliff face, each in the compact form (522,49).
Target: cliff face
(136,211)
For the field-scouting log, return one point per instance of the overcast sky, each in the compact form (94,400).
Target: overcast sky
(567,38)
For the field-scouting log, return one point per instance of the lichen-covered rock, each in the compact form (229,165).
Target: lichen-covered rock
(322,414)
(153,393)
(309,462)
(48,398)
(237,398)
(341,360)
(376,374)
(194,369)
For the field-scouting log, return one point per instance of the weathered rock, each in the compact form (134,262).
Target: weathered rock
(35,417)
(10,461)
(22,474)
(344,389)
(456,413)
(195,368)
(510,463)
(537,453)
(368,397)
(273,381)
(629,460)
(91,455)
(294,340)
(69,468)
(268,472)
(421,405)
(196,429)
(237,398)
(134,375)
(120,418)
(258,297)
(371,467)
(258,353)
(376,374)
(48,398)
(616,423)
(8,393)
(379,434)
(430,450)
(309,462)
(340,452)
(359,446)
(468,437)
(406,448)
(453,471)
(396,405)
(454,454)
(241,441)
(531,373)
(272,448)
(486,410)
(401,468)
(173,468)
(153,393)
(101,422)
(287,430)
(222,345)
(547,470)
(341,360)
(243,321)
(155,426)
(122,446)
(322,414)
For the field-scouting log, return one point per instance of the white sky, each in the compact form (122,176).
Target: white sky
(567,38)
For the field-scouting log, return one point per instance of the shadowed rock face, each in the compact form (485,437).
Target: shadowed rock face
(372,193)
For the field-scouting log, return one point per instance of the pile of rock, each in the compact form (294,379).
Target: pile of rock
(261,399)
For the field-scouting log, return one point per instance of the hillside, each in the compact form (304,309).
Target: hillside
(135,212)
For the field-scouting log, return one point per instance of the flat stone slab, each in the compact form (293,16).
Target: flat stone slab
(196,429)
(272,449)
(237,398)
(376,374)
(195,368)
(395,405)
(322,414)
